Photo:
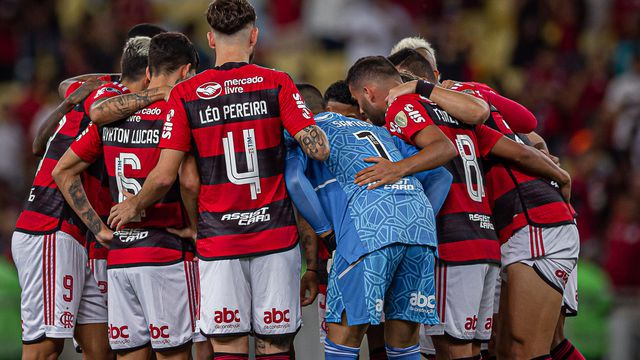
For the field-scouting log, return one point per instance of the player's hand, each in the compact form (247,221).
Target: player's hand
(555,159)
(122,213)
(402,89)
(104,237)
(185,233)
(309,281)
(382,173)
(448,84)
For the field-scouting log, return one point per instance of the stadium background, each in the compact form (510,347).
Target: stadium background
(571,62)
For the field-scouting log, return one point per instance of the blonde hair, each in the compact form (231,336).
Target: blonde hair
(416,42)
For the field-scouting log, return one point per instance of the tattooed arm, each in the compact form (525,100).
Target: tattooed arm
(309,245)
(67,175)
(46,130)
(115,108)
(313,142)
(64,85)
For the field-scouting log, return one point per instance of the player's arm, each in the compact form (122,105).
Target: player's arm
(313,142)
(64,84)
(519,118)
(464,107)
(538,142)
(533,162)
(156,185)
(435,150)
(436,184)
(115,108)
(309,245)
(189,190)
(66,174)
(48,127)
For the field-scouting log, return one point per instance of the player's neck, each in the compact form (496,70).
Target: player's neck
(134,86)
(232,54)
(162,80)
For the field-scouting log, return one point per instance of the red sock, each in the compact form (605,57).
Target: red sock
(378,354)
(566,351)
(278,356)
(230,356)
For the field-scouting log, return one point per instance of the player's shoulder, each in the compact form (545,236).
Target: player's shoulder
(410,106)
(400,103)
(112,88)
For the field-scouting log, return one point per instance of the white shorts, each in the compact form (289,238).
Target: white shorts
(465,294)
(197,335)
(570,296)
(52,270)
(552,252)
(93,307)
(256,294)
(152,305)
(322,312)
(426,344)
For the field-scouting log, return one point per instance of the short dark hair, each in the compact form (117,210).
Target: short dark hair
(230,16)
(339,92)
(135,58)
(414,62)
(145,29)
(370,67)
(312,97)
(168,51)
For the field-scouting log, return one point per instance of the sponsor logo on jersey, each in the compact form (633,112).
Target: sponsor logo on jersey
(226,318)
(422,303)
(471,323)
(275,318)
(236,85)
(488,323)
(401,119)
(248,218)
(168,125)
(130,235)
(402,184)
(209,90)
(306,113)
(118,332)
(158,332)
(84,132)
(413,114)
(484,221)
(562,275)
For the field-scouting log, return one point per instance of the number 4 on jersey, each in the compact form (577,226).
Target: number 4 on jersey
(252,175)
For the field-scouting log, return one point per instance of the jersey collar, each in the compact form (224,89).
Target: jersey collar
(231,65)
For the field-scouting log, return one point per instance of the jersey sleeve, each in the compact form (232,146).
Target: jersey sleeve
(88,145)
(519,118)
(294,112)
(176,133)
(73,87)
(407,150)
(406,117)
(103,92)
(436,184)
(302,193)
(487,139)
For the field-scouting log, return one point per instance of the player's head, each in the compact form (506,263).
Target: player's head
(411,61)
(145,29)
(233,24)
(339,100)
(172,54)
(312,97)
(369,81)
(135,59)
(423,47)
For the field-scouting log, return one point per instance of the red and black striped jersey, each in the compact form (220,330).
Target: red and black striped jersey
(232,118)
(518,199)
(129,151)
(45,210)
(465,228)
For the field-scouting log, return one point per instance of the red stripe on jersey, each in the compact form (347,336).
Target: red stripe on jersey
(232,197)
(74,231)
(143,255)
(458,201)
(270,135)
(251,244)
(476,250)
(29,220)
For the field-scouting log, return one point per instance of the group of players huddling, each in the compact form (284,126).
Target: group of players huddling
(431,216)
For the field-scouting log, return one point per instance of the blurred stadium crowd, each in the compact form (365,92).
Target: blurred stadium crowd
(574,63)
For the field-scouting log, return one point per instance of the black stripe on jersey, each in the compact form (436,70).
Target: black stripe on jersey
(47,201)
(278,214)
(58,146)
(133,238)
(456,168)
(173,195)
(98,170)
(459,227)
(212,112)
(213,169)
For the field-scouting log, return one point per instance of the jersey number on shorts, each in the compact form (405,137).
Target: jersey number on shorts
(374,141)
(252,175)
(124,183)
(471,167)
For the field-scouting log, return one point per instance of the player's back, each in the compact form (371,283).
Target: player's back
(398,212)
(236,113)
